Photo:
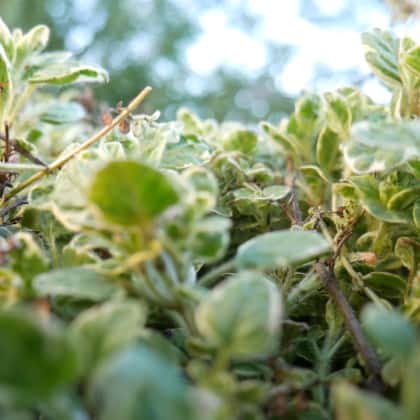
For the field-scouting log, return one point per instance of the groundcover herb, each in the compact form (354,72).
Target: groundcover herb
(197,270)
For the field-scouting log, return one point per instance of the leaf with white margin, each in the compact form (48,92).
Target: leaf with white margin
(280,249)
(382,53)
(5,81)
(65,73)
(242,315)
(379,146)
(362,159)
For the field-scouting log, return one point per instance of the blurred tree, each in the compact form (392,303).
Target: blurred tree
(143,42)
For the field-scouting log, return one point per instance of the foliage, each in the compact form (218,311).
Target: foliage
(195,269)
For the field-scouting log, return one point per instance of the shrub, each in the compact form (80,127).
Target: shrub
(197,270)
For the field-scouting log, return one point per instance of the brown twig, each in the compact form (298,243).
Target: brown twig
(17,203)
(60,162)
(372,362)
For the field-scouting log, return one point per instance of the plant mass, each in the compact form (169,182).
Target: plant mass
(201,270)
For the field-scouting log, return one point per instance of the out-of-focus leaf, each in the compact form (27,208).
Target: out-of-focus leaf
(389,330)
(338,116)
(412,60)
(139,384)
(65,73)
(280,249)
(211,238)
(327,149)
(367,188)
(104,330)
(392,136)
(6,40)
(130,193)
(242,141)
(37,361)
(410,386)
(382,55)
(75,282)
(241,317)
(63,113)
(5,81)
(351,403)
(31,43)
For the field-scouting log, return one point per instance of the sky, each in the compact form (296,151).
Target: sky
(325,34)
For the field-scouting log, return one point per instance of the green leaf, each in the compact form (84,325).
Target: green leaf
(244,141)
(389,330)
(382,55)
(368,192)
(103,330)
(75,282)
(404,198)
(28,259)
(412,60)
(405,251)
(416,214)
(211,238)
(59,112)
(392,136)
(350,403)
(278,137)
(138,384)
(37,361)
(338,115)
(31,43)
(365,159)
(131,193)
(6,40)
(65,73)
(410,387)
(241,317)
(280,249)
(387,285)
(327,149)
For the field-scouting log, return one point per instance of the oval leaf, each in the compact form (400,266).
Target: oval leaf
(75,282)
(131,193)
(280,249)
(241,316)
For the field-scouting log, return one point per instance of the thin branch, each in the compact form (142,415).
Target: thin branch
(17,203)
(295,213)
(372,362)
(60,162)
(7,141)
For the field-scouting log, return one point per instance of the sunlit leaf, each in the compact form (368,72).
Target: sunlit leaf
(131,193)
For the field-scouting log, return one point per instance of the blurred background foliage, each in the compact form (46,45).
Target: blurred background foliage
(163,43)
